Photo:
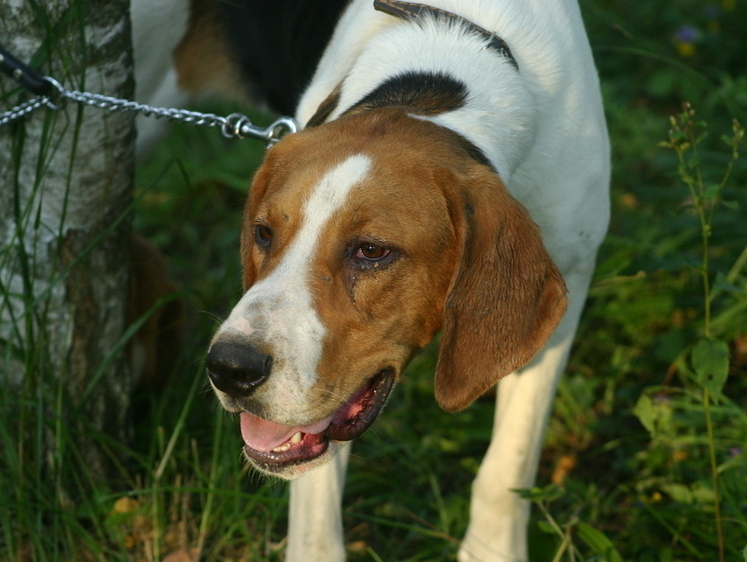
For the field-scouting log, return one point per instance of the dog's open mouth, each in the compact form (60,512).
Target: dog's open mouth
(272,446)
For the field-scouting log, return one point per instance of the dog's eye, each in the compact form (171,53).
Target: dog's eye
(372,255)
(262,235)
(371,252)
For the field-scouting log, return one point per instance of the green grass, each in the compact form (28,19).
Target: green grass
(646,453)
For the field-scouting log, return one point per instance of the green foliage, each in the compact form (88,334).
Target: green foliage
(646,455)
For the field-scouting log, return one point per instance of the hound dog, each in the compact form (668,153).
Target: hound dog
(452,175)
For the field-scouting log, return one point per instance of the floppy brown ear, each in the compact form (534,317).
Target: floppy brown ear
(506,298)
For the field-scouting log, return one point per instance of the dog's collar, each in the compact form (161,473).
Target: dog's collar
(412,12)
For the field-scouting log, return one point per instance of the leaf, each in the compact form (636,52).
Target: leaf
(731,205)
(598,542)
(744,553)
(679,493)
(644,411)
(712,191)
(710,359)
(721,283)
(545,527)
(548,494)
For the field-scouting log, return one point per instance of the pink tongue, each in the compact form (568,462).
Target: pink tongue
(263,435)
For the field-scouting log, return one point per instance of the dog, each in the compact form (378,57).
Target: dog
(451,175)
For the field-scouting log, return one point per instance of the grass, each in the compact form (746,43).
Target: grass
(646,453)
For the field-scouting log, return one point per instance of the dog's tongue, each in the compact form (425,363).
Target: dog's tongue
(263,435)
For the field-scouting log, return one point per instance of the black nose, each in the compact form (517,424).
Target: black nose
(237,368)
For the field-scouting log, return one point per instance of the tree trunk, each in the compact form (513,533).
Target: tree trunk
(65,193)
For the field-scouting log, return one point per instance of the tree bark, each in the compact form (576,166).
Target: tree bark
(65,194)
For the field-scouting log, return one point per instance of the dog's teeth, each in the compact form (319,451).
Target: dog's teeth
(295,440)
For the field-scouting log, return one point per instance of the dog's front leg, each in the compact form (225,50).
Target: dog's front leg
(315,520)
(498,516)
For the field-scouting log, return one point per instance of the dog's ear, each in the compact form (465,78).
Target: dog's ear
(505,300)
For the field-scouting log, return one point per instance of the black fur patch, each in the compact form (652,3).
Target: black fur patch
(278,43)
(422,93)
(473,151)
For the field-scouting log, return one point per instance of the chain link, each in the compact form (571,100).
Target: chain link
(22,110)
(233,126)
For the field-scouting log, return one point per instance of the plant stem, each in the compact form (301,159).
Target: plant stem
(704,208)
(714,473)
(705,231)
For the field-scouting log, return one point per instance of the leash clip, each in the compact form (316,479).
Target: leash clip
(239,126)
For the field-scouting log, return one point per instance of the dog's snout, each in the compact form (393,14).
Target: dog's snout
(237,368)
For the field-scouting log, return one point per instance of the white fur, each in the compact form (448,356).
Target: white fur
(543,129)
(281,305)
(157,28)
(315,521)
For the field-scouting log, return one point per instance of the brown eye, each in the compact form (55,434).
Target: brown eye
(262,235)
(371,252)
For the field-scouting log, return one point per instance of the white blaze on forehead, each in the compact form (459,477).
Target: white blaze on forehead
(327,196)
(280,307)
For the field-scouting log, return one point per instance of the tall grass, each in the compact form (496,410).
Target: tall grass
(33,437)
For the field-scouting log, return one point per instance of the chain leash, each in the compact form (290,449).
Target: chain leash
(53,95)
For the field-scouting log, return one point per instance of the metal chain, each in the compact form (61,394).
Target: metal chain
(23,109)
(235,125)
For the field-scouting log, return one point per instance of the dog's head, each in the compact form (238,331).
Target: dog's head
(362,238)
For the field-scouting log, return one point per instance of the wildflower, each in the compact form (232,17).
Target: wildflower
(684,40)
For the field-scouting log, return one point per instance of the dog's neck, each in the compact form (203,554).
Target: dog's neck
(498,111)
(415,12)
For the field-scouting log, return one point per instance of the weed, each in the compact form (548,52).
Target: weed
(709,357)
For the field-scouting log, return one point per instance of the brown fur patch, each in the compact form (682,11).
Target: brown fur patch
(202,59)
